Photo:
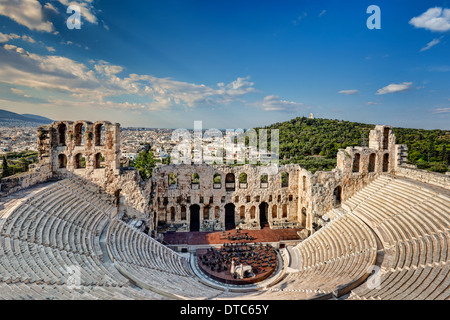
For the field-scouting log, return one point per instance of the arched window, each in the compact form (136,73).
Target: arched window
(62,161)
(264,181)
(253,212)
(274,211)
(356,161)
(337,196)
(217,212)
(79,133)
(304,211)
(386,162)
(243,181)
(372,158)
(230,182)
(99,134)
(195,181)
(99,161)
(217,181)
(62,132)
(206,213)
(386,133)
(172,214)
(284,180)
(285,211)
(242,213)
(173,181)
(183,212)
(80,161)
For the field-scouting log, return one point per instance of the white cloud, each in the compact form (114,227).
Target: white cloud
(100,82)
(322,13)
(431,44)
(393,88)
(441,110)
(28,39)
(50,49)
(19,92)
(27,13)
(372,103)
(434,19)
(7,37)
(49,6)
(274,103)
(349,92)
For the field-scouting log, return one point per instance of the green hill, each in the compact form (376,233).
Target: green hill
(314,143)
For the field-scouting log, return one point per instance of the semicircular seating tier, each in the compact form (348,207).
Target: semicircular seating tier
(50,247)
(412,221)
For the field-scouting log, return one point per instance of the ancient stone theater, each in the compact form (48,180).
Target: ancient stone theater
(79,226)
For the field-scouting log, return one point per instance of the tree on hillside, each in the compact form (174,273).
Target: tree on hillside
(145,162)
(6,170)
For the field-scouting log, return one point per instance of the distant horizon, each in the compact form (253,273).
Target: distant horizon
(230,64)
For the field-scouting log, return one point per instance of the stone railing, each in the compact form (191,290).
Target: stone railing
(38,174)
(434,178)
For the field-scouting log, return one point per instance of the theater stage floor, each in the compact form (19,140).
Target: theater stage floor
(199,238)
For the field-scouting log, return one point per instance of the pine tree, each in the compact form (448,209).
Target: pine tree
(6,170)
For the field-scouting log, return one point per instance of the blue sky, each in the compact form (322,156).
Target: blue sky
(231,64)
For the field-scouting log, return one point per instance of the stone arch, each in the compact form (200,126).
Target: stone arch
(386,162)
(183,213)
(62,161)
(172,213)
(217,180)
(79,133)
(194,214)
(242,213)
(79,161)
(264,180)
(173,180)
(230,182)
(274,211)
(337,196)
(285,211)
(99,161)
(216,212)
(62,134)
(253,212)
(386,133)
(230,216)
(372,159)
(243,180)
(356,162)
(285,180)
(99,134)
(205,213)
(195,181)
(263,212)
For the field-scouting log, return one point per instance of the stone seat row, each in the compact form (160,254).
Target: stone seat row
(430,282)
(152,265)
(65,228)
(31,263)
(412,222)
(174,285)
(23,291)
(132,246)
(337,255)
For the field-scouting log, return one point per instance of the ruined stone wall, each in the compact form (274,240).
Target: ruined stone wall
(91,151)
(173,203)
